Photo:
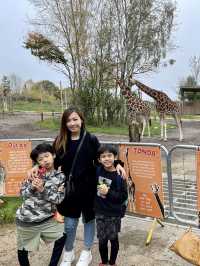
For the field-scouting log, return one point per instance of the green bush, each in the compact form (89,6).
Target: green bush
(8,209)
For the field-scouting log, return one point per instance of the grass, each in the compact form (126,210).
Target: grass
(110,130)
(36,106)
(189,117)
(8,209)
(53,124)
(192,117)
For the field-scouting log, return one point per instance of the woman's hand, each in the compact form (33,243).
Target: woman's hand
(33,172)
(61,188)
(121,171)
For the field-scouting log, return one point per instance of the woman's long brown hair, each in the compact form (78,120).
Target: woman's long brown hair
(62,139)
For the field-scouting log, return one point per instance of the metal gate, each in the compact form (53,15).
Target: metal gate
(182,184)
(179,179)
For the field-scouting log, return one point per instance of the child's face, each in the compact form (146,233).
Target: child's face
(46,160)
(74,123)
(107,159)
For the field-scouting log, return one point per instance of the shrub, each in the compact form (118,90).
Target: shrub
(8,209)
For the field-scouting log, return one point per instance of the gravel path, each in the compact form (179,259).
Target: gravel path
(133,251)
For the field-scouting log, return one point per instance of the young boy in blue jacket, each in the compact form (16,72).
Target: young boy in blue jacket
(111,195)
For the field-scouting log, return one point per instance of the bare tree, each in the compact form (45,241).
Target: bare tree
(5,90)
(65,22)
(195,67)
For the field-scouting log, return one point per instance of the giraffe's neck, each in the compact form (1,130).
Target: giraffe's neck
(151,92)
(128,95)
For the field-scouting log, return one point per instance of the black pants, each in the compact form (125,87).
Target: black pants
(57,250)
(103,250)
(23,257)
(56,253)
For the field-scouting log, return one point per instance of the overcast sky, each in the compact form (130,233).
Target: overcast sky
(15,59)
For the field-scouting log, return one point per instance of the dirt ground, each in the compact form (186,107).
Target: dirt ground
(133,251)
(21,126)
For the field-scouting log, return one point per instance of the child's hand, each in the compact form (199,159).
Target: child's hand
(103,189)
(61,188)
(38,184)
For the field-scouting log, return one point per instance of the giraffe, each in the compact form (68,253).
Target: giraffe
(136,107)
(164,106)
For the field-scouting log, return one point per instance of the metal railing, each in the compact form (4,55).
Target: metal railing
(180,192)
(182,187)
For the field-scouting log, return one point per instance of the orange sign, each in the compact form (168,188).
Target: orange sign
(198,179)
(143,166)
(14,163)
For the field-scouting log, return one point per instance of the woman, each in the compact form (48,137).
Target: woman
(81,201)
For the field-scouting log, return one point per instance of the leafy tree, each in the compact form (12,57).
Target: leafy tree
(190,82)
(93,42)
(139,37)
(48,86)
(44,48)
(192,79)
(44,90)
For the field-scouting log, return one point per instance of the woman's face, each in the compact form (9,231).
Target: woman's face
(74,123)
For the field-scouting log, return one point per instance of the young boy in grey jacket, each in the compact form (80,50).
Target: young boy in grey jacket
(35,218)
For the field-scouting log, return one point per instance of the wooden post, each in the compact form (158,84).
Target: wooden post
(42,116)
(61,97)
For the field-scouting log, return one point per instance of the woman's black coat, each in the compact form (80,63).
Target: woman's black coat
(82,200)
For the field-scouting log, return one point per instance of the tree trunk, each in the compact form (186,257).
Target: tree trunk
(135,127)
(5,104)
(134,133)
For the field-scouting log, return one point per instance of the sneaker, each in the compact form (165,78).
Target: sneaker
(85,258)
(101,264)
(68,258)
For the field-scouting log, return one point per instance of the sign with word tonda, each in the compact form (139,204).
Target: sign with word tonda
(144,182)
(14,164)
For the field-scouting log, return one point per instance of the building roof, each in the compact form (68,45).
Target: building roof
(189,89)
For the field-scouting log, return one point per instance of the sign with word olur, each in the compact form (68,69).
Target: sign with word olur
(14,163)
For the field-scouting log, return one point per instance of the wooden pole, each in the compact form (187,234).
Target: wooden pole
(61,97)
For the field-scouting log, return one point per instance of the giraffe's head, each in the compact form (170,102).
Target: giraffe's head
(124,89)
